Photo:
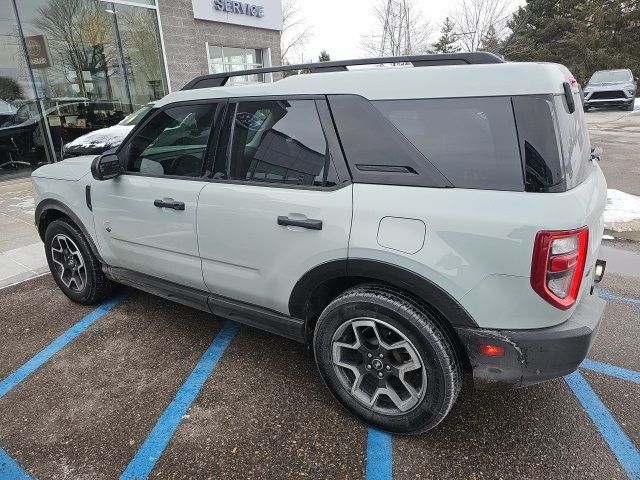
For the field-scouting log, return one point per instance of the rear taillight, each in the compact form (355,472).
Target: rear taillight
(558,265)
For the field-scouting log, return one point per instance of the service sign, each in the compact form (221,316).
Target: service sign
(252,13)
(37,51)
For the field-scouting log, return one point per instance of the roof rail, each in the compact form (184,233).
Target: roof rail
(220,79)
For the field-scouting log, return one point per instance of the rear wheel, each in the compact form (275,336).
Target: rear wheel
(386,359)
(73,265)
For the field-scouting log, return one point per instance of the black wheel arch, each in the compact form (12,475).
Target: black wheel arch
(51,209)
(324,282)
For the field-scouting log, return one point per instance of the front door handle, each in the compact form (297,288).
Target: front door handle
(309,223)
(172,204)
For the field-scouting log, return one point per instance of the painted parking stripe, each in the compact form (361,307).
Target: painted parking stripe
(58,344)
(152,448)
(379,455)
(623,298)
(9,469)
(625,451)
(611,370)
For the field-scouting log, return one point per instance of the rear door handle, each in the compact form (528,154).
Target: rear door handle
(172,204)
(309,223)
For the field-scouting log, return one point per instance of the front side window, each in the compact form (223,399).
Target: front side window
(173,142)
(472,141)
(278,141)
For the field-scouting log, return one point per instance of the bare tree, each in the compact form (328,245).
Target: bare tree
(296,30)
(478,20)
(80,35)
(400,29)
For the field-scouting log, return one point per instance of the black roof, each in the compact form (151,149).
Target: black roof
(470,58)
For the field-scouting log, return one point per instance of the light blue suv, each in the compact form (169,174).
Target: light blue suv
(412,224)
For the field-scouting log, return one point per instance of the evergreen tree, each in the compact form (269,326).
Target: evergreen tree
(584,36)
(324,56)
(447,41)
(490,41)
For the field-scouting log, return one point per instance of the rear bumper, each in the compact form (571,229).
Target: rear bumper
(533,356)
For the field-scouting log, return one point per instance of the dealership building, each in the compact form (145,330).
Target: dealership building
(68,67)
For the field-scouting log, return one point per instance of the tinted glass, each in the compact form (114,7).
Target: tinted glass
(574,140)
(472,141)
(539,143)
(278,142)
(173,142)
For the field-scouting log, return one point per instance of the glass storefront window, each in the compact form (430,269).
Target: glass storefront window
(233,59)
(91,63)
(23,143)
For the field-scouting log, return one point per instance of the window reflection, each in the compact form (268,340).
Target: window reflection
(92,63)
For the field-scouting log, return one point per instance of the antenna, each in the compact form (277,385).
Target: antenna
(524,20)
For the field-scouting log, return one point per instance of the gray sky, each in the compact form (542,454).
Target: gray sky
(339,24)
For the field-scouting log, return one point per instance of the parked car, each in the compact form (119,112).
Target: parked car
(611,88)
(408,234)
(99,141)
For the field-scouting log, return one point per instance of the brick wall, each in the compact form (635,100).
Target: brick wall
(185,37)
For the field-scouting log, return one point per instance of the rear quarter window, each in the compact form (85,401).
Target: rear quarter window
(472,141)
(574,142)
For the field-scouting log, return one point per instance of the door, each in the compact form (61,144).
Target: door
(145,219)
(277,207)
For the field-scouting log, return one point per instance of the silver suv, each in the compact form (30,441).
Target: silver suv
(611,88)
(412,224)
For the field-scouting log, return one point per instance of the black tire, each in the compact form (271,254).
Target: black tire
(418,324)
(97,287)
(629,107)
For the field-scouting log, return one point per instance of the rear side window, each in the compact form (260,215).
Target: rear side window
(539,143)
(472,141)
(279,141)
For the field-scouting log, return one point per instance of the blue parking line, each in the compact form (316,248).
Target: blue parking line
(625,451)
(9,469)
(611,370)
(58,344)
(623,298)
(159,437)
(379,455)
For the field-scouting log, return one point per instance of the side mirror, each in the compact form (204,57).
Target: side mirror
(596,153)
(635,79)
(106,167)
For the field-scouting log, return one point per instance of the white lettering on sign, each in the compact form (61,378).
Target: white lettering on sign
(242,8)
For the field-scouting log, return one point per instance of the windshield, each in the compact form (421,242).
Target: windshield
(135,117)
(606,76)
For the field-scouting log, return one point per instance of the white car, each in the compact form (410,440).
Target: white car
(412,224)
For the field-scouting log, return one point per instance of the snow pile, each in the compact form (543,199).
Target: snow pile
(110,136)
(622,211)
(25,203)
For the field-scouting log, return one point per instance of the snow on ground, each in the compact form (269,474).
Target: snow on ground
(621,207)
(25,203)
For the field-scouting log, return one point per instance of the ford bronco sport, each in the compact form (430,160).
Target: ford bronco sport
(410,223)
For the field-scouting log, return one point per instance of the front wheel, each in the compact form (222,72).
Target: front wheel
(73,265)
(386,359)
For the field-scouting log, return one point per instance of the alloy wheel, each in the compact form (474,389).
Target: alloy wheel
(378,365)
(69,263)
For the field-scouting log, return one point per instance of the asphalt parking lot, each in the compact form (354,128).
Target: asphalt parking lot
(618,133)
(144,387)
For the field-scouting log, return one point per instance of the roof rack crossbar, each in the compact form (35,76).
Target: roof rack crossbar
(220,79)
